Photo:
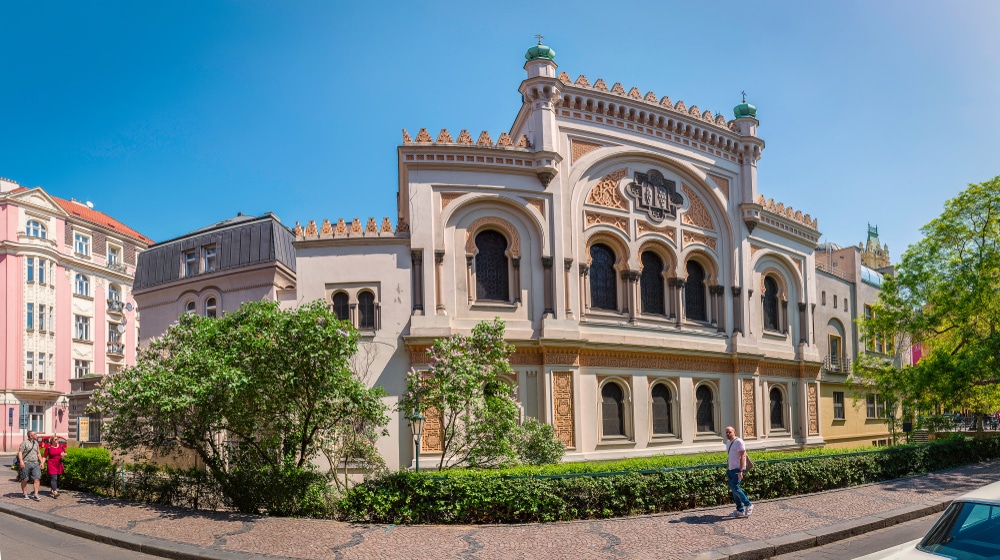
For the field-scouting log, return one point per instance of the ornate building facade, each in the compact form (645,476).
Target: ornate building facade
(654,295)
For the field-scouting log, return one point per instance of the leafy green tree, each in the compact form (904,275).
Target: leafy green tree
(257,395)
(946,297)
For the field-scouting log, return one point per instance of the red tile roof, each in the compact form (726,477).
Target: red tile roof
(99,218)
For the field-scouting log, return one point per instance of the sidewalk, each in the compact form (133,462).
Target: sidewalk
(776,527)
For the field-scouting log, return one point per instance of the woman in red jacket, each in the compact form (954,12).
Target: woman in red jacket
(55,465)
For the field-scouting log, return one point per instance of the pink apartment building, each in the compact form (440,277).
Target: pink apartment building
(68,316)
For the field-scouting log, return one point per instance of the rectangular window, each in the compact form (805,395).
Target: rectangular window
(94,428)
(834,301)
(41,366)
(30,316)
(824,298)
(190,263)
(41,271)
(35,418)
(879,407)
(209,258)
(81,368)
(41,317)
(114,255)
(870,406)
(81,244)
(52,322)
(29,366)
(114,336)
(838,405)
(31,269)
(82,327)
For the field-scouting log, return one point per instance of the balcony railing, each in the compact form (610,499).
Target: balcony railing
(117,267)
(116,348)
(116,305)
(837,364)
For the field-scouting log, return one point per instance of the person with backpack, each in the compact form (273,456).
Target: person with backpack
(737,465)
(30,460)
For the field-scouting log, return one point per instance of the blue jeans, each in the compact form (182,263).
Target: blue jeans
(734,486)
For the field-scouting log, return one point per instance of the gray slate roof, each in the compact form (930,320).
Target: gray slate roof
(240,241)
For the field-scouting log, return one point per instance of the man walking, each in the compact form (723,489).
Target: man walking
(31,465)
(737,464)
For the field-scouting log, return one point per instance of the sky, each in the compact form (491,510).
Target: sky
(172,115)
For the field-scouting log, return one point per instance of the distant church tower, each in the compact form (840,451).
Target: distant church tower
(874,255)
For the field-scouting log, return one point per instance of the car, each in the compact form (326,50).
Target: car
(969,529)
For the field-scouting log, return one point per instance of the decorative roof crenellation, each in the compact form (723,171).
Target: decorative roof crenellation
(504,141)
(350,230)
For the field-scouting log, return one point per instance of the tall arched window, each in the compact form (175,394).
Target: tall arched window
(82,285)
(341,306)
(492,272)
(705,409)
(695,302)
(211,308)
(613,410)
(771,304)
(34,228)
(603,284)
(651,283)
(777,409)
(366,311)
(662,421)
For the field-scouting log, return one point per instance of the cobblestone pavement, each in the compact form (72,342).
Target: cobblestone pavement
(777,526)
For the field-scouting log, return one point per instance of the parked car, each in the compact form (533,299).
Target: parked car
(968,530)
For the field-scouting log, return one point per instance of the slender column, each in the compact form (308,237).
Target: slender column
(633,284)
(812,322)
(676,288)
(717,292)
(803,325)
(468,278)
(749,300)
(668,306)
(585,288)
(625,291)
(713,308)
(547,278)
(784,317)
(737,310)
(438,276)
(569,308)
(417,272)
(517,279)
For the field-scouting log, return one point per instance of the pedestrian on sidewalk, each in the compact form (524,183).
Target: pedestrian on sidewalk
(54,465)
(737,452)
(30,460)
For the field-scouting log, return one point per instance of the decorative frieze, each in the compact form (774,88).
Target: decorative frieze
(697,214)
(581,148)
(597,218)
(749,409)
(691,237)
(605,192)
(562,407)
(643,227)
(787,212)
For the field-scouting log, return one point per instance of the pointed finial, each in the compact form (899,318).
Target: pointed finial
(744,93)
(539,37)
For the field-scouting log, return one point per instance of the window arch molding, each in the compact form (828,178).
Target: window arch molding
(662,250)
(340,302)
(494,223)
(368,309)
(525,224)
(673,414)
(708,263)
(210,294)
(778,408)
(624,412)
(701,408)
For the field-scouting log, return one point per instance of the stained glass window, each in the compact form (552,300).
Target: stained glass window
(771,304)
(366,311)
(612,409)
(661,409)
(492,276)
(777,409)
(651,283)
(341,306)
(603,284)
(695,305)
(705,409)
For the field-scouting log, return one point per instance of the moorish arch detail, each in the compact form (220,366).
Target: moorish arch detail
(504,225)
(749,409)
(691,237)
(562,407)
(605,192)
(643,227)
(448,197)
(697,214)
(597,218)
(581,148)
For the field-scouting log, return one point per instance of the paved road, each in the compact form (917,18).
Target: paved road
(867,543)
(31,541)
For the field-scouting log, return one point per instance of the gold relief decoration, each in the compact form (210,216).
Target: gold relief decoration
(444,136)
(679,106)
(298,229)
(722,183)
(521,358)
(406,137)
(707,116)
(746,367)
(448,197)
(564,78)
(537,204)
(464,138)
(617,88)
(697,214)
(692,237)
(650,97)
(634,93)
(326,228)
(599,85)
(813,411)
(504,141)
(787,212)
(523,141)
(605,192)
(433,428)
(311,229)
(694,112)
(721,121)
(484,139)
(630,360)
(423,136)
(596,218)
(370,227)
(749,410)
(402,226)
(503,225)
(418,356)
(562,407)
(386,225)
(665,102)
(582,81)
(770,369)
(581,148)
(562,358)
(643,227)
(356,226)
(341,227)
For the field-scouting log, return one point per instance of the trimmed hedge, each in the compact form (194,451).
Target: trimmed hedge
(488,497)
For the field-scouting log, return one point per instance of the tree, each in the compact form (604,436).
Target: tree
(464,389)
(946,297)
(257,395)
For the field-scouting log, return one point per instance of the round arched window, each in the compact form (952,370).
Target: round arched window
(603,283)
(651,283)
(612,409)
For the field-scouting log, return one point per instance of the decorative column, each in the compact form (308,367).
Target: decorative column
(468,278)
(626,298)
(803,325)
(585,288)
(713,307)
(569,308)
(737,309)
(717,292)
(547,278)
(633,284)
(676,287)
(668,305)
(784,315)
(417,280)
(516,261)
(439,274)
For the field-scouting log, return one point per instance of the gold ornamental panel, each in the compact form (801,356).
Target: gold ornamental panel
(813,410)
(749,409)
(562,407)
(433,435)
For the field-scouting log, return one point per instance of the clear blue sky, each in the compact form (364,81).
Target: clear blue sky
(171,115)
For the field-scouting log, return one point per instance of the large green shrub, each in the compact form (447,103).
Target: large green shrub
(490,497)
(87,468)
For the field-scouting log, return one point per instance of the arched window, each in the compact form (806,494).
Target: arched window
(34,228)
(366,311)
(651,283)
(211,308)
(662,421)
(771,304)
(82,285)
(190,307)
(613,410)
(695,306)
(603,284)
(705,409)
(777,409)
(492,272)
(341,306)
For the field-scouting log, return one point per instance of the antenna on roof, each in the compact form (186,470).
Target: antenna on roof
(90,205)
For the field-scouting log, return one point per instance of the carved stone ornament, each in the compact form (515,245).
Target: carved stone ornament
(655,196)
(562,407)
(512,236)
(605,193)
(813,410)
(697,214)
(749,410)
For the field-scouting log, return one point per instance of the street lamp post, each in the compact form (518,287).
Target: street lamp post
(417,427)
